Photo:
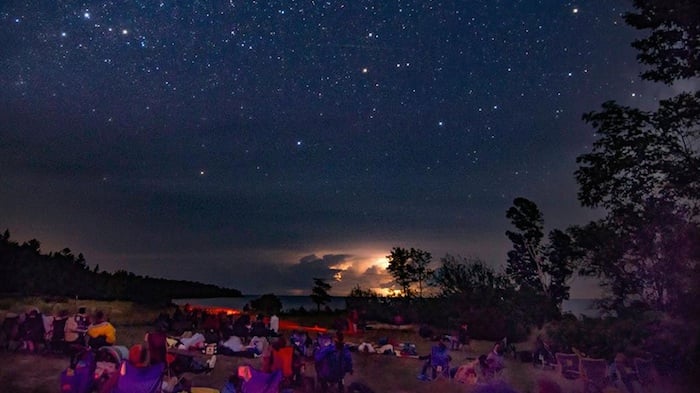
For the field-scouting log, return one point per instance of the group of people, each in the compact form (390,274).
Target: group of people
(438,363)
(219,325)
(35,331)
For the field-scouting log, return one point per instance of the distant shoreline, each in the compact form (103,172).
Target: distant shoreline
(577,307)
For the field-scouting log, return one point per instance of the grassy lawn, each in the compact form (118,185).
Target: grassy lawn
(21,372)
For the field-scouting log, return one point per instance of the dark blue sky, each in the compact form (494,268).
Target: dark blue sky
(257,144)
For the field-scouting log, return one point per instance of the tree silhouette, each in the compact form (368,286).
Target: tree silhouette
(542,268)
(319,293)
(63,274)
(401,269)
(268,303)
(421,272)
(644,171)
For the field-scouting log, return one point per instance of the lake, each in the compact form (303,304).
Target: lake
(577,307)
(288,302)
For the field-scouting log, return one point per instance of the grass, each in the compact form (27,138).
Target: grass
(31,373)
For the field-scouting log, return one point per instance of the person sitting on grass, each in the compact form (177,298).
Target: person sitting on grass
(101,333)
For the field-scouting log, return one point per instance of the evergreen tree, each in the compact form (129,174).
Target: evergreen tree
(319,293)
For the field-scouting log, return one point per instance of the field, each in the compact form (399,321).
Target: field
(21,372)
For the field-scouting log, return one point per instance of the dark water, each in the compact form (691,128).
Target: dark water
(288,302)
(577,307)
(580,307)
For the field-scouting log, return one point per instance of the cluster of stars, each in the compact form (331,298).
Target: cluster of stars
(207,58)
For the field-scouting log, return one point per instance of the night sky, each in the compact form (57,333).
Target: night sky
(258,144)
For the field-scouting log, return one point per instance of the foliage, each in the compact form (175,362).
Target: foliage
(670,343)
(409,267)
(421,272)
(644,170)
(400,268)
(471,279)
(472,291)
(268,304)
(64,274)
(673,47)
(319,293)
(358,292)
(536,267)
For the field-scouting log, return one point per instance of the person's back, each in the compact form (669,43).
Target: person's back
(32,330)
(494,359)
(439,357)
(101,333)
(275,323)
(156,344)
(76,327)
(332,363)
(258,328)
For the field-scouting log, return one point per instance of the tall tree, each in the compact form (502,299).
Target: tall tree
(401,268)
(421,261)
(644,171)
(538,267)
(409,267)
(319,293)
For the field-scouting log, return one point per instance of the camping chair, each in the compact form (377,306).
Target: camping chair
(488,371)
(569,364)
(626,373)
(256,381)
(440,363)
(595,375)
(134,379)
(57,341)
(9,335)
(645,371)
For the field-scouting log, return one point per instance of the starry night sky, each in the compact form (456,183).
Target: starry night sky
(257,144)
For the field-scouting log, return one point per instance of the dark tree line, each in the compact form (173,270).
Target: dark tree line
(643,175)
(25,271)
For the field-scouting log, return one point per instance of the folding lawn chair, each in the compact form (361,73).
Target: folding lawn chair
(256,381)
(441,367)
(134,379)
(56,342)
(645,371)
(570,365)
(595,375)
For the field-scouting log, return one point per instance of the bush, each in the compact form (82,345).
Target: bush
(670,342)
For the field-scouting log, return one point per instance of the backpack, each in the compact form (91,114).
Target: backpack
(79,377)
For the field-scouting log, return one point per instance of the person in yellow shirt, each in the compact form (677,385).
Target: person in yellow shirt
(101,333)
